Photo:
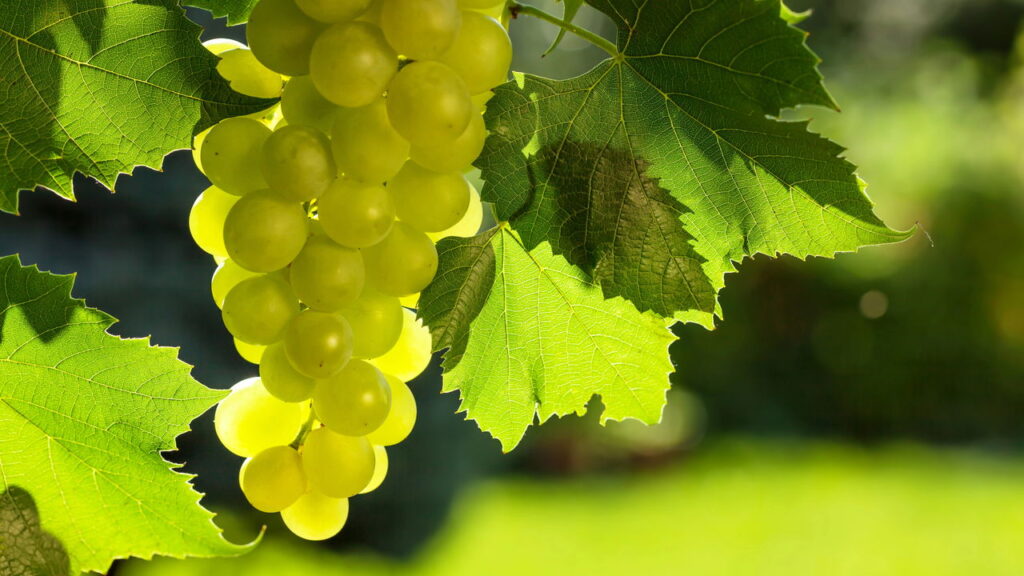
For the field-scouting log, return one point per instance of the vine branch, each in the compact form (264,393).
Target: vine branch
(517,8)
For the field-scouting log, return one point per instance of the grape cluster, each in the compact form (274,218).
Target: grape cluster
(322,215)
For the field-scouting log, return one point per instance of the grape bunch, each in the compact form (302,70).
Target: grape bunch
(322,216)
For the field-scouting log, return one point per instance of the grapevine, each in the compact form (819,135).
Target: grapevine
(322,216)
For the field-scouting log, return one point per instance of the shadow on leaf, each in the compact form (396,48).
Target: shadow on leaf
(25,548)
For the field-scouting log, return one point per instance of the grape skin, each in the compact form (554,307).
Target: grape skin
(481,53)
(281,36)
(470,223)
(281,379)
(298,163)
(249,420)
(403,263)
(318,344)
(333,10)
(273,479)
(247,75)
(302,105)
(230,152)
(326,276)
(429,201)
(429,104)
(315,516)
(366,146)
(225,277)
(411,354)
(337,466)
(401,418)
(380,469)
(257,310)
(376,321)
(353,402)
(352,64)
(206,220)
(264,232)
(355,214)
(420,29)
(459,154)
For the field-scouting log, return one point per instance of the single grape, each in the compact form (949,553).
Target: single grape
(356,214)
(401,418)
(302,105)
(247,75)
(352,64)
(326,276)
(456,156)
(315,516)
(218,46)
(333,10)
(481,53)
(429,104)
(366,147)
(257,310)
(206,220)
(249,420)
(380,469)
(281,36)
(318,344)
(376,322)
(411,355)
(353,402)
(251,353)
(226,277)
(298,163)
(338,466)
(264,232)
(420,29)
(429,201)
(281,379)
(403,263)
(469,225)
(230,154)
(273,479)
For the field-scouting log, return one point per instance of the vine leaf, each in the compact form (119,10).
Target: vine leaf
(659,169)
(99,87)
(83,418)
(236,11)
(530,335)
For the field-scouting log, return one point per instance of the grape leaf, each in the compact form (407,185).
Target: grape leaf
(236,11)
(530,335)
(101,86)
(83,418)
(659,169)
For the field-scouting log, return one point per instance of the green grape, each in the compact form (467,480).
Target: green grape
(318,344)
(411,354)
(401,418)
(247,75)
(352,64)
(257,310)
(353,402)
(281,36)
(470,223)
(218,46)
(429,104)
(230,154)
(355,214)
(302,105)
(264,232)
(206,220)
(403,263)
(298,163)
(333,10)
(420,29)
(226,277)
(372,14)
(380,469)
(337,466)
(376,322)
(273,479)
(251,353)
(366,147)
(249,420)
(457,156)
(429,201)
(481,53)
(326,276)
(281,379)
(315,516)
(480,100)
(197,148)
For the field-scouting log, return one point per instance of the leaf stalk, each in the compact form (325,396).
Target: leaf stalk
(518,8)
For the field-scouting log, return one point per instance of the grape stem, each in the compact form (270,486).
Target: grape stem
(517,8)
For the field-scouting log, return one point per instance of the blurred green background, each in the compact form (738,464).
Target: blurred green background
(857,416)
